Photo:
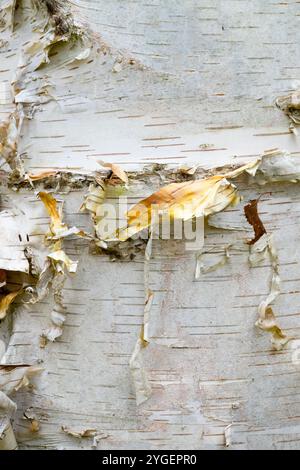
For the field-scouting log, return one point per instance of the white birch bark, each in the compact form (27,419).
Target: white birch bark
(179,83)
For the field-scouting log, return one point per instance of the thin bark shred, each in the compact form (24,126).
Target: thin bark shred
(251,214)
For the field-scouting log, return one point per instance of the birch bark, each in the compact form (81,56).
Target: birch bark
(136,83)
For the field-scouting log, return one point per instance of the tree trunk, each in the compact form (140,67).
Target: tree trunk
(170,92)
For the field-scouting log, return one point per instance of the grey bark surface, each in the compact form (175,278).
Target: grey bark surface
(180,83)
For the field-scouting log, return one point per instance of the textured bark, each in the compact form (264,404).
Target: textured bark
(184,83)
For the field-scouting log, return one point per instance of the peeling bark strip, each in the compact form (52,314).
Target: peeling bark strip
(290,105)
(59,265)
(60,13)
(9,135)
(79,434)
(6,301)
(264,249)
(207,196)
(253,219)
(68,99)
(7,438)
(12,378)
